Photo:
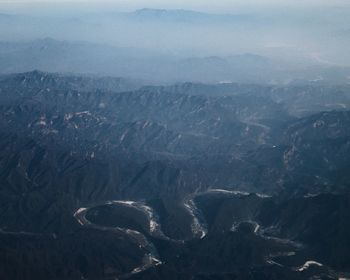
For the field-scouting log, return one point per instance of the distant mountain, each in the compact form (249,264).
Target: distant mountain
(5,16)
(188,16)
(39,79)
(80,57)
(9,17)
(164,12)
(61,56)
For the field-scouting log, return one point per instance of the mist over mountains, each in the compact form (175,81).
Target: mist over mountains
(286,32)
(154,68)
(174,143)
(168,46)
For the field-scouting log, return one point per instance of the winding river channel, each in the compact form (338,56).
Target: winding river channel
(151,258)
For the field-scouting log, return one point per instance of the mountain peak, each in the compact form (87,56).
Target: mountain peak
(178,14)
(162,11)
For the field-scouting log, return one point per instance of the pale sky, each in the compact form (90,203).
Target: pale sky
(200,4)
(75,7)
(307,26)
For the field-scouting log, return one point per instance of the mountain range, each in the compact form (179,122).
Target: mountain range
(108,177)
(154,68)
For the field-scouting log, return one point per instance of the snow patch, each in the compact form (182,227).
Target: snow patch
(196,226)
(274,263)
(261,195)
(235,226)
(102,105)
(229,192)
(308,264)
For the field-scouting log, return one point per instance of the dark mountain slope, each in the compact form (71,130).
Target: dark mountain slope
(72,146)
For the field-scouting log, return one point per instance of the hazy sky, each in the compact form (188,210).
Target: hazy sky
(76,7)
(182,2)
(218,5)
(319,28)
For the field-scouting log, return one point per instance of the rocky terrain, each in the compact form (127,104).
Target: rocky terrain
(107,178)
